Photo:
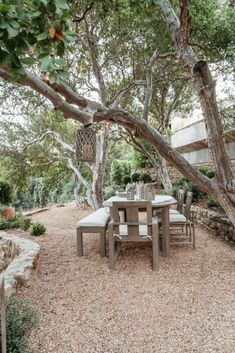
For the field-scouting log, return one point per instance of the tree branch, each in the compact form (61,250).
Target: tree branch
(59,103)
(151,135)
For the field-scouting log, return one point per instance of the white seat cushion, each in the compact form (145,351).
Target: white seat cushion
(99,218)
(177,218)
(143,229)
(174,211)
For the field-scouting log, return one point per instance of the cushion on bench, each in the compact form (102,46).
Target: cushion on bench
(99,218)
(177,218)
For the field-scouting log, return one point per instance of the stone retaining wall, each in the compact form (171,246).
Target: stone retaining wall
(18,257)
(215,221)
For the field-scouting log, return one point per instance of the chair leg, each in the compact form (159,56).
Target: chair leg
(103,243)
(155,236)
(111,248)
(79,243)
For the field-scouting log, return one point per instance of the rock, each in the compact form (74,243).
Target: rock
(19,257)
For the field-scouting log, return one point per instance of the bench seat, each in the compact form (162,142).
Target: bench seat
(97,222)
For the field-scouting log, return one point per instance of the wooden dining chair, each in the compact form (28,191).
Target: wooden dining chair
(132,229)
(182,227)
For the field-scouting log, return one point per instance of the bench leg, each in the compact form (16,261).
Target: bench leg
(111,248)
(79,243)
(155,245)
(103,243)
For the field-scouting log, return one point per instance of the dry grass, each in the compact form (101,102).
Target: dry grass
(84,307)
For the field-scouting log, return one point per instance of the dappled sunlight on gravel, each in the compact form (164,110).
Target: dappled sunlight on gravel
(84,307)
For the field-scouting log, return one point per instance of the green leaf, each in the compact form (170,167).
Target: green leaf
(62,4)
(14,24)
(12,31)
(28,61)
(59,62)
(52,78)
(4,9)
(70,38)
(44,2)
(3,24)
(45,62)
(42,36)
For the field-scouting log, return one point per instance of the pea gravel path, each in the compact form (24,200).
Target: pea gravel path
(84,307)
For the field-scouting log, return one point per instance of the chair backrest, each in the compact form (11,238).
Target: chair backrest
(180,200)
(188,203)
(133,216)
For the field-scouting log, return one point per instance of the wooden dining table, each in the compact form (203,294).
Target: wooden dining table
(162,203)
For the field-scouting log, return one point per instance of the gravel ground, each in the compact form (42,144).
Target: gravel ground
(188,306)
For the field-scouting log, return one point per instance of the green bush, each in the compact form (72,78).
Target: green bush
(17,222)
(207,171)
(118,170)
(4,224)
(20,320)
(108,192)
(135,177)
(212,202)
(188,186)
(126,179)
(145,177)
(37,228)
(5,193)
(25,223)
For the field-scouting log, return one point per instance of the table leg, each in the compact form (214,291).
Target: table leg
(165,231)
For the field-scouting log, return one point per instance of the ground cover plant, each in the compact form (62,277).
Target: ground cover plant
(21,318)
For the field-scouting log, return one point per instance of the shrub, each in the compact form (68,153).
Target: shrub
(207,171)
(108,192)
(212,202)
(4,224)
(5,193)
(145,177)
(37,228)
(135,177)
(20,320)
(18,222)
(126,179)
(118,170)
(188,186)
(25,223)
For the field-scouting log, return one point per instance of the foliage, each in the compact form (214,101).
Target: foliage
(5,193)
(37,228)
(17,222)
(207,171)
(145,177)
(21,318)
(135,177)
(126,179)
(119,169)
(188,186)
(212,202)
(35,32)
(108,192)
(139,160)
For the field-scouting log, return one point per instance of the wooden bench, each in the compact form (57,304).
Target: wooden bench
(97,222)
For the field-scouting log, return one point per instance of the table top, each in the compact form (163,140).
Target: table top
(159,201)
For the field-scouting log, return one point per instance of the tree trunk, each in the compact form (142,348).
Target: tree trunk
(164,175)
(101,158)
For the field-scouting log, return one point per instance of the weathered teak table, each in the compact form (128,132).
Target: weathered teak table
(161,202)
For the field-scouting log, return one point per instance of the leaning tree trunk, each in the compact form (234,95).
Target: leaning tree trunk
(224,181)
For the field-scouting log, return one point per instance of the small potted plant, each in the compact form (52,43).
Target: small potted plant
(6,213)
